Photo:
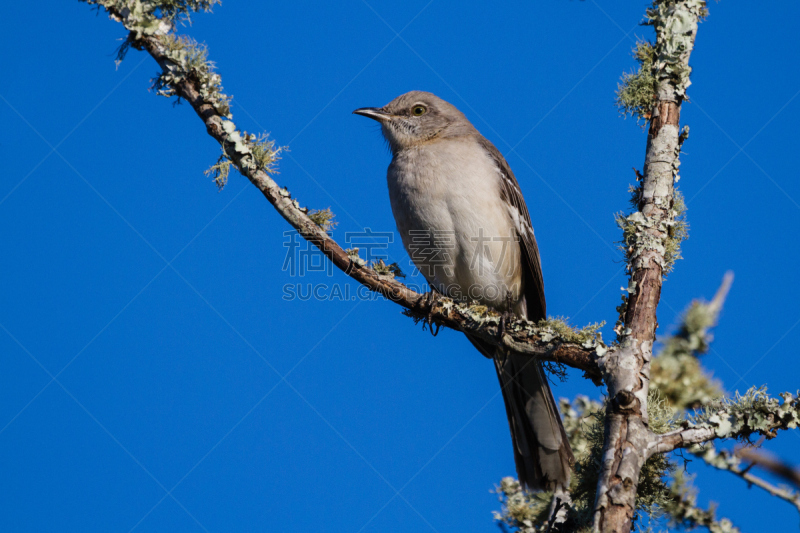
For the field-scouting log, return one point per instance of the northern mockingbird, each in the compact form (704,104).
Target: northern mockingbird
(464,223)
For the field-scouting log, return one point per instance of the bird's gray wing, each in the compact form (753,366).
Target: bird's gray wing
(541,448)
(532,267)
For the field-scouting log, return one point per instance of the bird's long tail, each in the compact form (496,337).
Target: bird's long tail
(542,452)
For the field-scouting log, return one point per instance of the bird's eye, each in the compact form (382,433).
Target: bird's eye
(418,110)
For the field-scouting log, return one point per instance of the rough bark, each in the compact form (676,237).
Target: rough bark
(627,371)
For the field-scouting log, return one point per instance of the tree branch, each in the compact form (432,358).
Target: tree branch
(651,247)
(676,370)
(724,460)
(188,75)
(753,413)
(772,464)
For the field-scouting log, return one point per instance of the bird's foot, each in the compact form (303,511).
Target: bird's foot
(428,302)
(507,315)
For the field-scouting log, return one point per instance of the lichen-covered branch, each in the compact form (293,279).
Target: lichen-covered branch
(740,417)
(651,246)
(676,370)
(583,422)
(683,512)
(724,460)
(693,336)
(663,490)
(188,75)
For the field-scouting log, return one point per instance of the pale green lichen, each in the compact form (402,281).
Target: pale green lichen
(324,219)
(636,239)
(139,17)
(557,328)
(684,513)
(219,171)
(528,512)
(551,330)
(660,65)
(652,493)
(185,64)
(693,335)
(675,22)
(144,18)
(753,412)
(641,233)
(135,11)
(254,152)
(661,415)
(521,511)
(677,232)
(188,59)
(173,9)
(578,417)
(480,311)
(636,91)
(676,371)
(683,382)
(352,253)
(584,423)
(391,269)
(265,153)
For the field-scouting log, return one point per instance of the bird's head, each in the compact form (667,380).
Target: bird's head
(417,118)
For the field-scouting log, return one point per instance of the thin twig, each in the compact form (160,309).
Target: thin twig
(771,463)
(729,462)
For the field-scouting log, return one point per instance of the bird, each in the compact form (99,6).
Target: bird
(463,221)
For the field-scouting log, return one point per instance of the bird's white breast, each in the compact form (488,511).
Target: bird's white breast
(449,190)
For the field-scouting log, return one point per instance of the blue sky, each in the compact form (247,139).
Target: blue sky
(153,378)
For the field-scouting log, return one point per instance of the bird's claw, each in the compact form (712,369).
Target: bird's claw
(430,300)
(504,318)
(507,315)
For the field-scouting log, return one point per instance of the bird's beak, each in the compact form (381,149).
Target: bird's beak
(374,113)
